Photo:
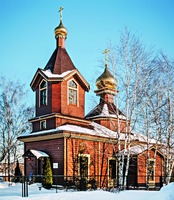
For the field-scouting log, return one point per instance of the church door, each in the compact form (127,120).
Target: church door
(112,172)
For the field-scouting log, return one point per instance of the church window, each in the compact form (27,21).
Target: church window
(83,165)
(43,125)
(43,93)
(151,170)
(72,92)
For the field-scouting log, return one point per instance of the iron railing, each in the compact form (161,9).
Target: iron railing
(66,183)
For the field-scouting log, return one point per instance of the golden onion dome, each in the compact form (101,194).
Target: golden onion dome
(106,80)
(60,30)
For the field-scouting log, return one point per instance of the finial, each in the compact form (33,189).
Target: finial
(106,56)
(61,8)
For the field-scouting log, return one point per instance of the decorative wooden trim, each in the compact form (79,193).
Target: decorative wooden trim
(55,135)
(73,72)
(34,138)
(58,116)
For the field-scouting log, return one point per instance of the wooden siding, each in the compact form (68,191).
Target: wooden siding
(44,109)
(54,148)
(56,97)
(112,124)
(69,109)
(142,166)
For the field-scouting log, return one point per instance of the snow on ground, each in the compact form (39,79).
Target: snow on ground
(14,191)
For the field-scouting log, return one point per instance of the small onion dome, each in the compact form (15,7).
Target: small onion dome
(60,30)
(106,80)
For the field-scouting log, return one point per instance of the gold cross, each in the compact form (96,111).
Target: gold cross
(61,8)
(106,56)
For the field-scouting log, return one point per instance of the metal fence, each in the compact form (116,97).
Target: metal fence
(85,183)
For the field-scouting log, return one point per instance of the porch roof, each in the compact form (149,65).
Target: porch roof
(35,153)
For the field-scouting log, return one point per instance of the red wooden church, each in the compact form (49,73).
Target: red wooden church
(80,145)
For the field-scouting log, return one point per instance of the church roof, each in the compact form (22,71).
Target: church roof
(59,62)
(105,109)
(140,148)
(94,129)
(136,150)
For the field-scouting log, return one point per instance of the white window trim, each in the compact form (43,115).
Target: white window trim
(76,89)
(40,92)
(84,155)
(151,159)
(110,180)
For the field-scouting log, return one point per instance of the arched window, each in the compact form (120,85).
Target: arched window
(72,92)
(43,93)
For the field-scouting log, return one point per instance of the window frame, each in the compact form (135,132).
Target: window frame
(41,125)
(74,89)
(116,168)
(40,93)
(112,180)
(147,171)
(88,157)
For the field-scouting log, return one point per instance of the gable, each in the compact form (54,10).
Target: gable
(49,76)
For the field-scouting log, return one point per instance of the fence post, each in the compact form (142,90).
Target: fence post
(161,181)
(24,187)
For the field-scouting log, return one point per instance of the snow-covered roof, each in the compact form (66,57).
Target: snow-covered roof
(167,151)
(142,138)
(95,130)
(105,113)
(135,150)
(49,74)
(140,148)
(106,110)
(38,153)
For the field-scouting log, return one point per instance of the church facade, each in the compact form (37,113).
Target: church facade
(79,145)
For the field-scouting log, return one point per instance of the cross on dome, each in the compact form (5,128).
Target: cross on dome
(60,31)
(61,8)
(106,56)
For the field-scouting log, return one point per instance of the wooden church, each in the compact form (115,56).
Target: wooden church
(79,145)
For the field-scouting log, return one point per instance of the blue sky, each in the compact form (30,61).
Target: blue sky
(27,32)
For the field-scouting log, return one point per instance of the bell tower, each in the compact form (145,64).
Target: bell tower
(59,87)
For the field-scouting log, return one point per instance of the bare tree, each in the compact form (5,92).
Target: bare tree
(168,113)
(145,80)
(158,102)
(14,115)
(131,59)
